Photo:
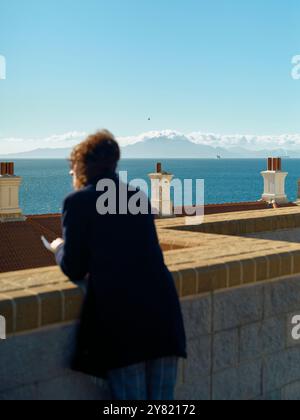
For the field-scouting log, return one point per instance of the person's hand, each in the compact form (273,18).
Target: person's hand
(56,244)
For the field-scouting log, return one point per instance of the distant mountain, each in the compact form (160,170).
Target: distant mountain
(162,147)
(177,147)
(41,154)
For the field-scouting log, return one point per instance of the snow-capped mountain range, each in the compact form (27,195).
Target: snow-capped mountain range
(168,144)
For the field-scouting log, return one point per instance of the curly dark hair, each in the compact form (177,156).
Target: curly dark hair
(96,156)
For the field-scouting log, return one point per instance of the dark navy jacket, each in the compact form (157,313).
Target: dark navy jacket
(131,311)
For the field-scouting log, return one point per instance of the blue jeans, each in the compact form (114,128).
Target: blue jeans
(153,380)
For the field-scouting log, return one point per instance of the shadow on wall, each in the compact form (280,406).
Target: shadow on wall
(286,235)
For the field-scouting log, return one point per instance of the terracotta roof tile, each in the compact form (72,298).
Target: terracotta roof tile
(20,243)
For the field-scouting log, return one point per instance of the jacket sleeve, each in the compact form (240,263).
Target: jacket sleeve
(72,256)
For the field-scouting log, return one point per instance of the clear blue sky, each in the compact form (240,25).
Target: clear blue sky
(210,65)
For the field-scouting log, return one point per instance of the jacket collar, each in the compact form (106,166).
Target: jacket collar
(107,175)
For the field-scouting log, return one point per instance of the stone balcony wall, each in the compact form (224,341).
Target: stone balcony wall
(239,289)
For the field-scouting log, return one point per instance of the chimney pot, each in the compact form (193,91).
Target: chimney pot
(11,169)
(3,168)
(274,164)
(279,164)
(270,164)
(159,168)
(7,169)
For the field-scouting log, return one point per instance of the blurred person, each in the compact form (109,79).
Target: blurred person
(131,331)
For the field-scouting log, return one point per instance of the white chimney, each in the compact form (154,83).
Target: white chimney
(9,194)
(274,182)
(161,192)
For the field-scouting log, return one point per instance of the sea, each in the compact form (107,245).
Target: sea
(47,182)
